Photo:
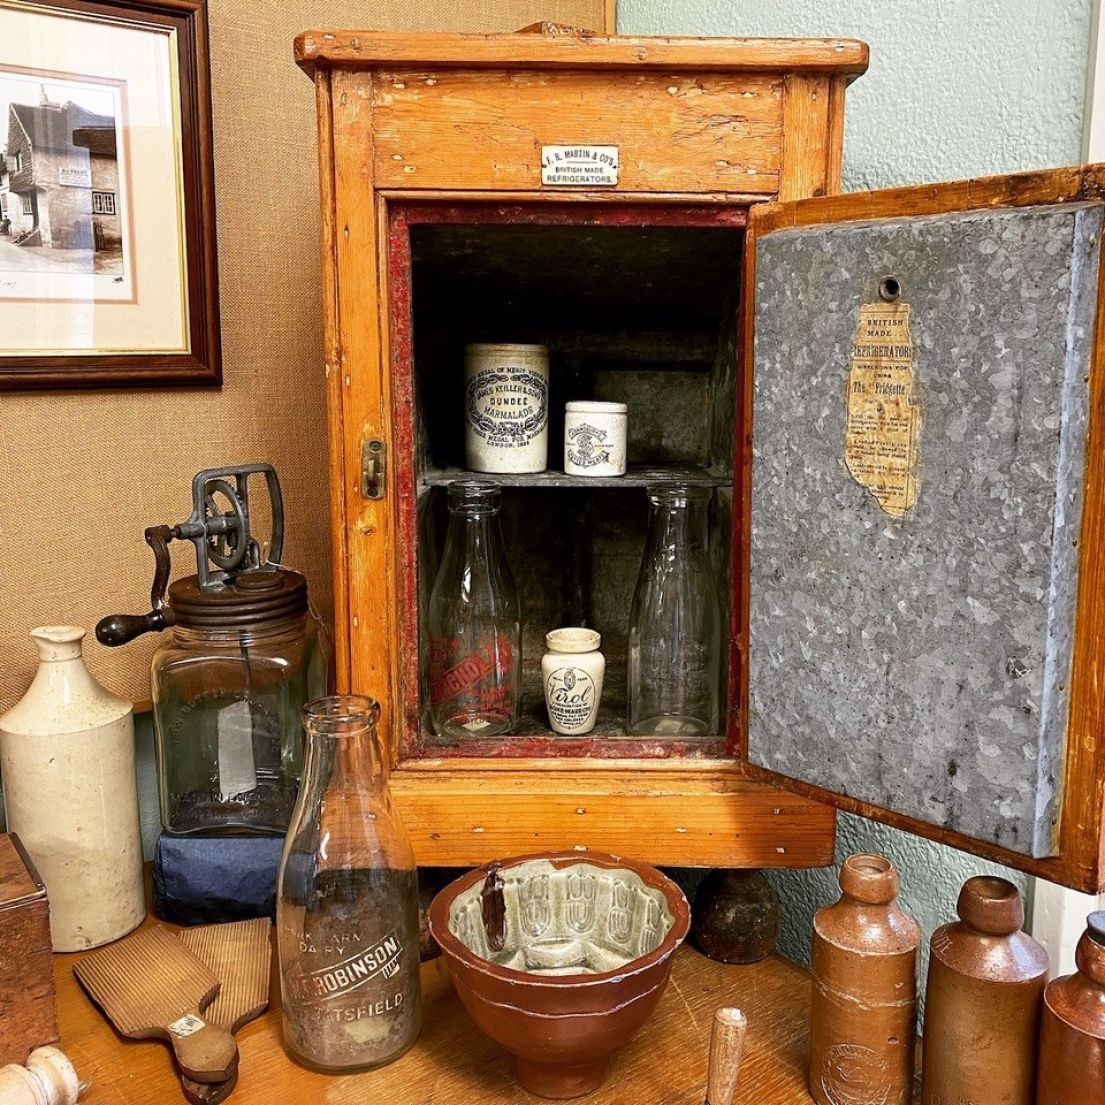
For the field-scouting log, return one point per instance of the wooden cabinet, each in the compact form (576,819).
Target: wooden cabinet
(923,654)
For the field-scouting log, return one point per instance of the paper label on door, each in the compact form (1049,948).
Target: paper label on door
(884,412)
(580,166)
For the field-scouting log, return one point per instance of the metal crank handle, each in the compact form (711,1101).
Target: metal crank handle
(118,629)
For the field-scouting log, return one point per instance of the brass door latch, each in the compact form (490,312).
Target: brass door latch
(373,468)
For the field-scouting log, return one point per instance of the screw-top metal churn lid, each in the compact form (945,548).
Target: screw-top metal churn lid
(236,585)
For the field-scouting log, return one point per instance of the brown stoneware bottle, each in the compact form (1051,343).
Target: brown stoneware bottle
(863,1020)
(982,1009)
(1072,1029)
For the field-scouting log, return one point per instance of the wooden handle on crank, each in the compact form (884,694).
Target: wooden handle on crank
(204,1052)
(726,1050)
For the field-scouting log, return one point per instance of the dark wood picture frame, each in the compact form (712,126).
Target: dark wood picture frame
(201,365)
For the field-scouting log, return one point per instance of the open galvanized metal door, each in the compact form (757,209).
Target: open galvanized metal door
(923,617)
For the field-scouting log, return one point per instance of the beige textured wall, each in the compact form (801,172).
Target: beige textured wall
(83,474)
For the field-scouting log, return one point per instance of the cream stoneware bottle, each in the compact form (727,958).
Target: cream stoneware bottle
(70,793)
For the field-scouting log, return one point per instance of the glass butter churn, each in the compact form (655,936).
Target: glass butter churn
(244,655)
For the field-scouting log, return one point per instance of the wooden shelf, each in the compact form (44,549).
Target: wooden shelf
(693,813)
(637,475)
(610,722)
(607,740)
(454,1064)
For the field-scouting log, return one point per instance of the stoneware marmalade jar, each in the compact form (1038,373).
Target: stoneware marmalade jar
(67,761)
(506,405)
(571,673)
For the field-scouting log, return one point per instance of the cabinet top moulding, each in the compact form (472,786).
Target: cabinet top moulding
(375,49)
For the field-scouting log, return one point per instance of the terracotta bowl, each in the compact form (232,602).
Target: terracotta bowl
(586,947)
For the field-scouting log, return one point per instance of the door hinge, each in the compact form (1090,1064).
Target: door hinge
(373,468)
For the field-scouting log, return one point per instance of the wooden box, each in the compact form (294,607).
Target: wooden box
(728,321)
(28,1011)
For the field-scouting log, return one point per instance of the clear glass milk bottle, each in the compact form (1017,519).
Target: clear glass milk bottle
(347,901)
(675,623)
(474,624)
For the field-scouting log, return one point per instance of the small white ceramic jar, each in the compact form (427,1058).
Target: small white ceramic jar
(571,673)
(594,438)
(506,408)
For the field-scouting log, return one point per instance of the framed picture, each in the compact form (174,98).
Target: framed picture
(107,208)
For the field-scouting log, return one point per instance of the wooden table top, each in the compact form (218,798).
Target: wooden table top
(453,1063)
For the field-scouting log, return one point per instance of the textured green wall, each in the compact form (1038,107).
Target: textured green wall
(956,88)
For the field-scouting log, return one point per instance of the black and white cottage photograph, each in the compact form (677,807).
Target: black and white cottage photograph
(62,207)
(107,214)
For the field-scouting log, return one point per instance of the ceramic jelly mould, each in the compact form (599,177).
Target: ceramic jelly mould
(560,958)
(560,920)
